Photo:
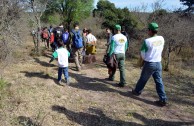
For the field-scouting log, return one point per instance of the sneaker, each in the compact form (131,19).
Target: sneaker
(135,93)
(160,103)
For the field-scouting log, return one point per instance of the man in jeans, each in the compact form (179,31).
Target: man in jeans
(151,53)
(118,46)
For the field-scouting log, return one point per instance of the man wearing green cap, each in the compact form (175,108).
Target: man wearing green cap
(151,53)
(118,47)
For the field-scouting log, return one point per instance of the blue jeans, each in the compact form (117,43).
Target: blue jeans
(154,69)
(63,70)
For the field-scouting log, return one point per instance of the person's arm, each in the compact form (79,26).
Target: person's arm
(54,55)
(126,46)
(144,49)
(112,48)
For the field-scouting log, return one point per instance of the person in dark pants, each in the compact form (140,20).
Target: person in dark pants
(62,56)
(118,47)
(151,53)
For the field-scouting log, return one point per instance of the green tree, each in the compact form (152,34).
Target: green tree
(70,10)
(113,15)
(189,4)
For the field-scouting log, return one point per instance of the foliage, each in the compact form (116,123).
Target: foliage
(113,15)
(69,10)
(189,4)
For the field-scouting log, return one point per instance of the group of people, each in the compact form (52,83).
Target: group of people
(117,45)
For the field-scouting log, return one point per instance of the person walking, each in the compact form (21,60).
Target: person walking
(77,45)
(151,53)
(118,48)
(62,55)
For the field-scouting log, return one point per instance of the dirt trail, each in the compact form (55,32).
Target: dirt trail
(89,100)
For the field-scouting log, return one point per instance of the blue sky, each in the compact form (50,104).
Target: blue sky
(167,4)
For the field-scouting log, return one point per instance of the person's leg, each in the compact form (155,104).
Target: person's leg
(75,55)
(47,41)
(59,74)
(66,74)
(157,75)
(80,56)
(145,75)
(121,65)
(112,73)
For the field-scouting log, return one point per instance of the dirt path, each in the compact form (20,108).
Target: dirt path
(90,100)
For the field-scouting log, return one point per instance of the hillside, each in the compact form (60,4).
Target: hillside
(33,98)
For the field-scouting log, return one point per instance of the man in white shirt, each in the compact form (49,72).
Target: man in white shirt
(151,53)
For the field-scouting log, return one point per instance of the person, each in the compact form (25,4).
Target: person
(109,37)
(151,53)
(45,36)
(90,47)
(58,31)
(65,38)
(123,31)
(62,55)
(51,40)
(77,43)
(118,48)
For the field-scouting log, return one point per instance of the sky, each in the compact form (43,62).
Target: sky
(131,4)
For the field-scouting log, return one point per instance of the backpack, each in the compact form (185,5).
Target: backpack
(58,33)
(77,39)
(65,37)
(45,35)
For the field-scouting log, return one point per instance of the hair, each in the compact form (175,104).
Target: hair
(60,43)
(76,24)
(84,30)
(89,31)
(153,31)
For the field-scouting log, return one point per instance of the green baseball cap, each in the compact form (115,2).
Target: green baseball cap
(117,27)
(153,26)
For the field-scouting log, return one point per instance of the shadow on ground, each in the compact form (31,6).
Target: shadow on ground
(95,117)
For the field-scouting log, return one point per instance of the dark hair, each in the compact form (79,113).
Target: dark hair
(89,31)
(153,31)
(60,43)
(76,24)
(84,30)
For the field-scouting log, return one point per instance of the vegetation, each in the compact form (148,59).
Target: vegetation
(29,95)
(113,15)
(68,10)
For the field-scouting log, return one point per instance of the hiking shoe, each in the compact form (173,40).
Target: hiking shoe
(135,93)
(160,103)
(120,85)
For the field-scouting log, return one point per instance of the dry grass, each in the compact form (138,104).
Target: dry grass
(36,100)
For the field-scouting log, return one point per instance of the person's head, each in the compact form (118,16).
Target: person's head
(89,31)
(118,28)
(108,30)
(84,30)
(61,25)
(76,25)
(66,30)
(152,29)
(60,43)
